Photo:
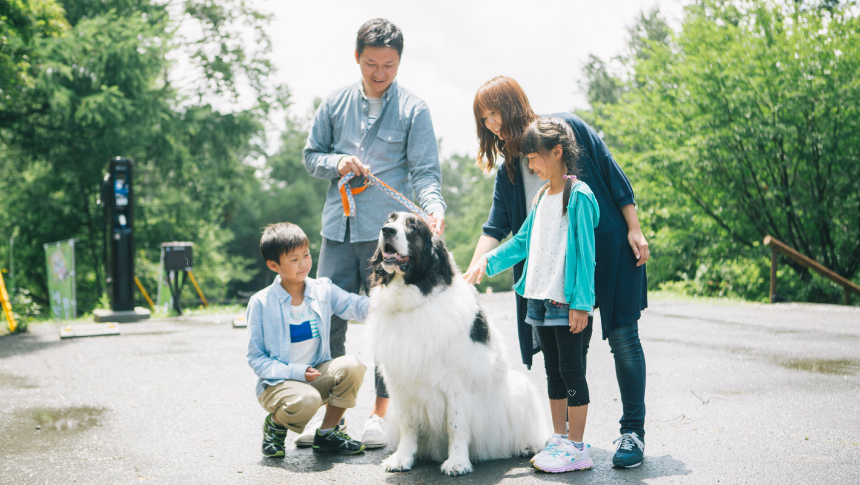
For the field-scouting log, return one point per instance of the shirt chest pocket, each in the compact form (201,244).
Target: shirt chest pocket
(389,148)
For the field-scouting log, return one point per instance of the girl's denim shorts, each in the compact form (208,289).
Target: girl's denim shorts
(540,313)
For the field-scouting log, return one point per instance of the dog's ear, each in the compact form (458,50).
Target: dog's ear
(442,261)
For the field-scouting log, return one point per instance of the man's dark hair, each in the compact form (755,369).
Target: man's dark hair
(379,33)
(281,238)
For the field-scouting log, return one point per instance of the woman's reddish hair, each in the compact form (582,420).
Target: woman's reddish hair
(505,96)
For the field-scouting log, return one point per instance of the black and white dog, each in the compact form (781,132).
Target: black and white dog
(453,396)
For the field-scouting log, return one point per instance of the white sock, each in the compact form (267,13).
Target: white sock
(324,431)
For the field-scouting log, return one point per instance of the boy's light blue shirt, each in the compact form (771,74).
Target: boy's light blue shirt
(402,153)
(269,333)
(583,216)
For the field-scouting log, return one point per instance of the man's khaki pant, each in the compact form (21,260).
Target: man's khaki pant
(294,403)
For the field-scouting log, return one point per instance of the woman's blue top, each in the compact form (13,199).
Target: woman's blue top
(620,286)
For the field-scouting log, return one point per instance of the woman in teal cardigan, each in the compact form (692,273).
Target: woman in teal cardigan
(557,243)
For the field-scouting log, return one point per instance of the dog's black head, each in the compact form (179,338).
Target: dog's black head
(407,247)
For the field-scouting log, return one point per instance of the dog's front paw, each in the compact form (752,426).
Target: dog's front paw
(456,466)
(398,463)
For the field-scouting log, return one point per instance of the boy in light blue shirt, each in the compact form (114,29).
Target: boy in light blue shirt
(289,350)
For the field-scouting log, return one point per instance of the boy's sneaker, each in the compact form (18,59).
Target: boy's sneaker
(273,438)
(337,441)
(306,439)
(564,458)
(375,434)
(629,452)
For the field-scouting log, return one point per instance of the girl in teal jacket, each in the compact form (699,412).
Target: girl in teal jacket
(557,243)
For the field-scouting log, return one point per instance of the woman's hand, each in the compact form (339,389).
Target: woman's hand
(634,235)
(578,320)
(639,246)
(311,374)
(476,271)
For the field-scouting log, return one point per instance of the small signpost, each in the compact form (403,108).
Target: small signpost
(60,261)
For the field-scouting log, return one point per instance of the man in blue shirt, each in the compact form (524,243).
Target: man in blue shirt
(377,126)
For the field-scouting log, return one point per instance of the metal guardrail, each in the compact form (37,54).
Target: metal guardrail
(778,246)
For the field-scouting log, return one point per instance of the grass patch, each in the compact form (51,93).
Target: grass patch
(678,296)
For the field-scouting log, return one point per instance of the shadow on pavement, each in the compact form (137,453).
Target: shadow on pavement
(305,460)
(24,343)
(491,472)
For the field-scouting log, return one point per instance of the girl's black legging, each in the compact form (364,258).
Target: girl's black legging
(564,356)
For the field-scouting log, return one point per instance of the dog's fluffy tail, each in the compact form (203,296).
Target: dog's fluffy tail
(527,410)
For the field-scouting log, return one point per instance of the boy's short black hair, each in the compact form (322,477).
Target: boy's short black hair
(281,238)
(379,33)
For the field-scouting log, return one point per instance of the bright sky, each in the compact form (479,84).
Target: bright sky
(451,47)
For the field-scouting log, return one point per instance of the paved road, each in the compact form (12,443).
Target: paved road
(736,394)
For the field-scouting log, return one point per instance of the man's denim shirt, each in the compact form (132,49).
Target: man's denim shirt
(269,333)
(403,154)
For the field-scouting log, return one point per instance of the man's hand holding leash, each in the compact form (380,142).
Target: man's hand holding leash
(352,164)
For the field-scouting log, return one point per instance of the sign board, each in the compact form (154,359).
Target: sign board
(60,259)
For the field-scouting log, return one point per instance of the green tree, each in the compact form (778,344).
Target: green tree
(106,88)
(749,113)
(282,191)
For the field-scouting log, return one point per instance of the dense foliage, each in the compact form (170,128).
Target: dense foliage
(742,124)
(101,82)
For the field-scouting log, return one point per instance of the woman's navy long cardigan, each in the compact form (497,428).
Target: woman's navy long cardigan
(620,286)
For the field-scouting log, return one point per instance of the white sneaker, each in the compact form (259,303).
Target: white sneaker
(548,448)
(375,433)
(566,457)
(306,439)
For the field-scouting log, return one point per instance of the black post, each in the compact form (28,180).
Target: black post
(118,196)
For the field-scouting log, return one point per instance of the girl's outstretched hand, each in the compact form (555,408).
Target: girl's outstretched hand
(476,271)
(578,320)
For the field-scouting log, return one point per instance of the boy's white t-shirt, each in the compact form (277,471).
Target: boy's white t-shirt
(304,335)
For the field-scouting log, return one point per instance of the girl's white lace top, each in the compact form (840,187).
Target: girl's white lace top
(547,251)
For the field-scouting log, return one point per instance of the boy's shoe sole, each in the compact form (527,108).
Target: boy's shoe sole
(627,466)
(317,448)
(584,465)
(276,455)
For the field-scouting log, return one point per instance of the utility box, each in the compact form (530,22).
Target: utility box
(178,263)
(178,256)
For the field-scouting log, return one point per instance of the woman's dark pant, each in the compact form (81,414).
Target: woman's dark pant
(564,356)
(630,372)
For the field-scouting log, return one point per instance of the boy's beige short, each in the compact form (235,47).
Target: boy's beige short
(294,403)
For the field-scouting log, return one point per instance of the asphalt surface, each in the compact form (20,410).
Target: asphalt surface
(736,394)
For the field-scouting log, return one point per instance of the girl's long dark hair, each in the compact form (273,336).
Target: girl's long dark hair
(505,96)
(541,136)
